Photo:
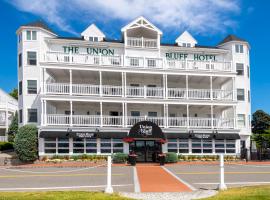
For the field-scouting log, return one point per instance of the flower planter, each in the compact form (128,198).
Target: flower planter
(162,159)
(132,159)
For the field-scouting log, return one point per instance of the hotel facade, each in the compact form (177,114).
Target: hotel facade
(92,95)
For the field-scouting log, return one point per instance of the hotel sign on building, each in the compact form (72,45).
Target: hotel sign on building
(92,95)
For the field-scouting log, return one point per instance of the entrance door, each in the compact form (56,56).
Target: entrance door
(147,150)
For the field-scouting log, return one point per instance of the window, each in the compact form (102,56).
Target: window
(78,145)
(225,146)
(240,94)
(188,45)
(31,35)
(63,145)
(196,146)
(105,146)
(32,86)
(152,114)
(183,146)
(248,96)
(20,115)
(241,120)
(201,145)
(151,63)
(95,39)
(172,145)
(20,88)
(207,145)
(91,145)
(135,113)
(20,60)
(50,145)
(118,146)
(220,146)
(32,115)
(240,69)
(134,62)
(230,146)
(239,48)
(248,71)
(31,58)
(20,38)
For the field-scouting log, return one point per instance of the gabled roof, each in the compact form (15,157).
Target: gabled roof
(141,22)
(186,37)
(93,30)
(230,38)
(39,24)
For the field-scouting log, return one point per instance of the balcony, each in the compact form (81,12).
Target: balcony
(137,92)
(141,42)
(121,121)
(137,62)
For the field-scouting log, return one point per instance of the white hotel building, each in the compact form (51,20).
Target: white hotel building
(86,93)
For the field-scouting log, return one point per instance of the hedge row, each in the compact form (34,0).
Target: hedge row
(6,146)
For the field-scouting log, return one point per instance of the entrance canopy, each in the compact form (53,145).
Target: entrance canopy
(146,129)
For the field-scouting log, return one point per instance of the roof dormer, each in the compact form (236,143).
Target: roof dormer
(186,40)
(93,34)
(141,33)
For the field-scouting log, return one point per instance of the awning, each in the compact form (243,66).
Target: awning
(202,135)
(64,134)
(229,136)
(177,135)
(146,129)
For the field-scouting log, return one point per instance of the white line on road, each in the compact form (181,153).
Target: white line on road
(234,183)
(65,187)
(137,187)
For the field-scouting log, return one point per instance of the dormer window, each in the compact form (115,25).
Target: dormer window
(186,45)
(239,48)
(186,40)
(31,35)
(93,39)
(93,34)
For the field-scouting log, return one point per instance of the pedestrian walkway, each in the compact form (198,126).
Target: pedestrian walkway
(157,179)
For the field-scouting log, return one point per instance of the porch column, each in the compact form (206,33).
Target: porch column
(6,117)
(101,115)
(235,117)
(70,82)
(164,86)
(45,111)
(211,87)
(123,85)
(123,114)
(187,116)
(71,114)
(212,117)
(164,115)
(100,83)
(42,88)
(167,117)
(233,90)
(42,112)
(187,95)
(126,115)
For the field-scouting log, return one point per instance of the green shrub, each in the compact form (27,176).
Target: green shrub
(171,157)
(6,146)
(120,157)
(26,143)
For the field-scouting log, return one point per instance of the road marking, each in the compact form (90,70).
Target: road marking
(65,187)
(209,173)
(56,175)
(251,165)
(137,187)
(234,183)
(179,179)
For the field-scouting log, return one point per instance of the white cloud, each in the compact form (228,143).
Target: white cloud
(201,16)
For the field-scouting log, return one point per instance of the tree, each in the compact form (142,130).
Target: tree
(26,143)
(260,122)
(14,93)
(13,128)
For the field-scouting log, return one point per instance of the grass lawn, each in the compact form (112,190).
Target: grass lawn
(69,195)
(244,193)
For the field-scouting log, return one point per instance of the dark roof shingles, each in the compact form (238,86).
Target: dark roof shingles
(230,38)
(40,24)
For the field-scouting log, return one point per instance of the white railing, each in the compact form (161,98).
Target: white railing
(142,42)
(223,95)
(109,90)
(154,92)
(58,119)
(199,94)
(138,62)
(176,93)
(112,120)
(85,89)
(95,120)
(135,91)
(3,138)
(57,88)
(86,120)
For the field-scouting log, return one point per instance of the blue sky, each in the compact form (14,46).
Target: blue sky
(209,21)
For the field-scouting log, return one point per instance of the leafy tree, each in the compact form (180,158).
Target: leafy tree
(260,122)
(14,93)
(26,143)
(13,128)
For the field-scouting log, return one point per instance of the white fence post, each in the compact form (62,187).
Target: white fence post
(109,188)
(222,185)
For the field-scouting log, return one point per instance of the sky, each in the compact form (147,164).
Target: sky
(209,21)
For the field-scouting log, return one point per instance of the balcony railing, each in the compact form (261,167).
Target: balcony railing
(128,121)
(142,42)
(138,92)
(138,62)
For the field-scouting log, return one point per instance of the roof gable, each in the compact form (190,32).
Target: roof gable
(141,22)
(186,37)
(93,31)
(39,24)
(231,38)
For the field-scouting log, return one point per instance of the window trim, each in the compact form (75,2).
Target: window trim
(31,122)
(20,86)
(28,57)
(36,86)
(237,95)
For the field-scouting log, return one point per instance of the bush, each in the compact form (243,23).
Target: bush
(26,143)
(171,157)
(6,146)
(120,157)
(13,128)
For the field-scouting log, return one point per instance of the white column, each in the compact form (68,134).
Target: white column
(100,83)
(42,81)
(123,84)
(101,115)
(187,116)
(212,117)
(222,185)
(42,112)
(167,117)
(211,87)
(187,87)
(71,114)
(45,111)
(164,85)
(70,82)
(164,115)
(123,114)
(41,150)
(235,117)
(234,89)
(70,140)
(6,117)
(126,114)
(125,38)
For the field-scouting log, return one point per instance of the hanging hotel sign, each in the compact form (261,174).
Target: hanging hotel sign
(85,135)
(146,129)
(184,56)
(89,50)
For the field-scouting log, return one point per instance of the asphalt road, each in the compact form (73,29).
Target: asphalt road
(94,179)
